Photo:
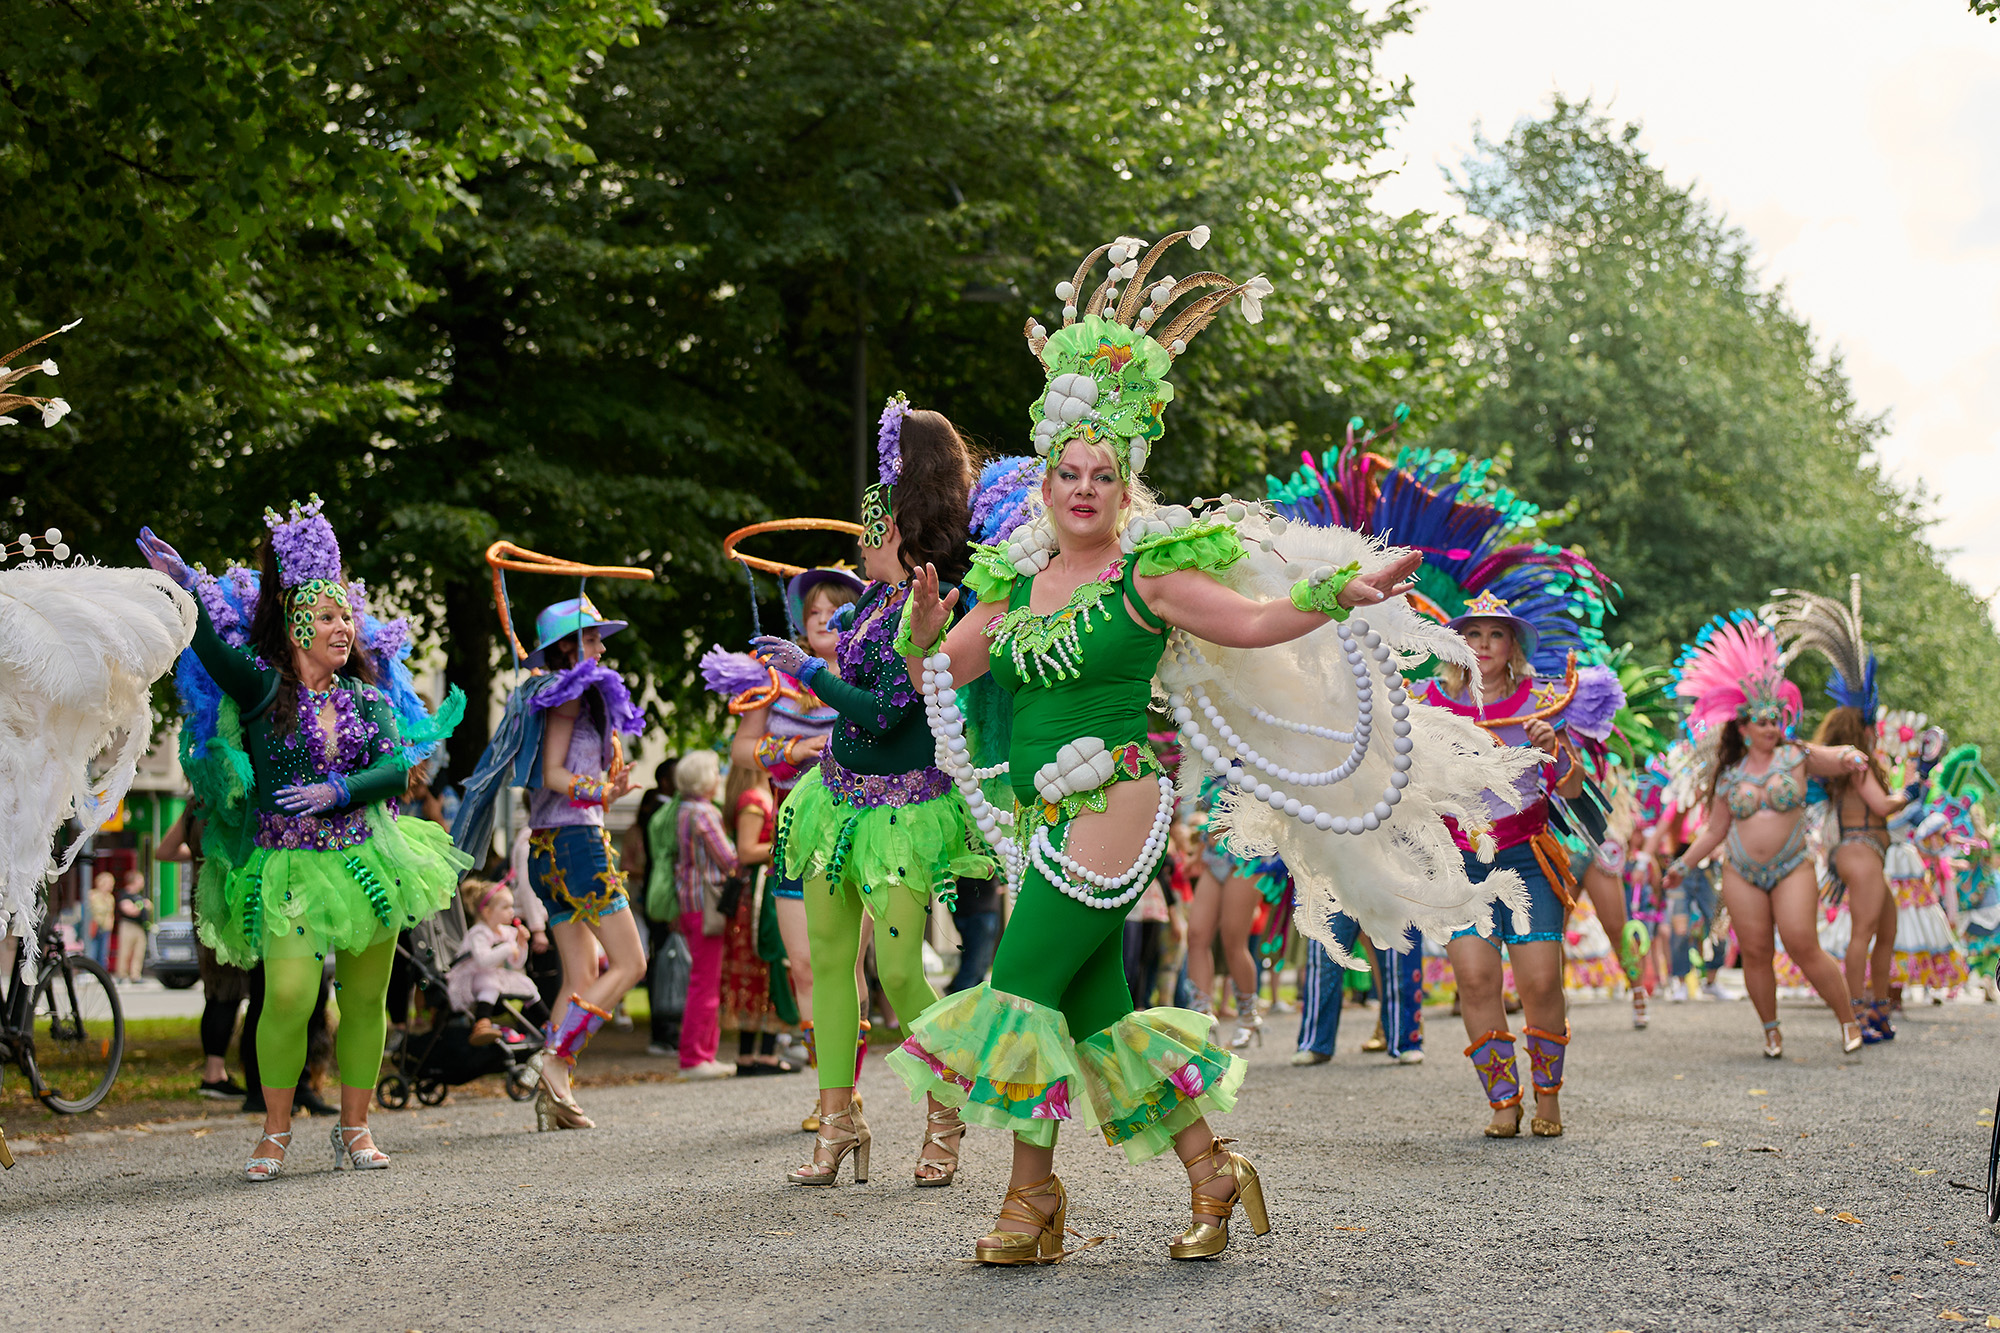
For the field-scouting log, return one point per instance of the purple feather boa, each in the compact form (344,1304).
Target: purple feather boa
(622,714)
(1599,696)
(730,674)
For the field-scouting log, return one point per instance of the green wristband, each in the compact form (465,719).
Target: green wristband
(905,646)
(1321,592)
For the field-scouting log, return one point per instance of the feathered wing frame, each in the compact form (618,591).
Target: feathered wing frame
(1409,872)
(80,646)
(1808,621)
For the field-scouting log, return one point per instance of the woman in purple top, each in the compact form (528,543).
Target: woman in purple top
(571,866)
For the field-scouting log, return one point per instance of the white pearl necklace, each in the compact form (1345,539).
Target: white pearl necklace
(1360,643)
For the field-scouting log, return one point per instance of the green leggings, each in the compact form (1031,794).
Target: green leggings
(833,927)
(291,985)
(1064,955)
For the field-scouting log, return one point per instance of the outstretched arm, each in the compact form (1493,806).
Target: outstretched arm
(1194,601)
(1836,761)
(1713,830)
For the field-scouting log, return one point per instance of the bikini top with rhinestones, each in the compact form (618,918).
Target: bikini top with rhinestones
(1781,787)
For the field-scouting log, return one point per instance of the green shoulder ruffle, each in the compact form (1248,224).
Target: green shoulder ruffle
(991,578)
(1210,544)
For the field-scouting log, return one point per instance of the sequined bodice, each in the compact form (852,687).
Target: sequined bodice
(1085,669)
(1781,787)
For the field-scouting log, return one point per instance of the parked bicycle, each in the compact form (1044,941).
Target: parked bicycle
(65,1030)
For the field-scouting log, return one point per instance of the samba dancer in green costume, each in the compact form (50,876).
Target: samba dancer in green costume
(1077,644)
(300,744)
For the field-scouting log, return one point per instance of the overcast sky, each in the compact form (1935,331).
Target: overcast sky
(1858,144)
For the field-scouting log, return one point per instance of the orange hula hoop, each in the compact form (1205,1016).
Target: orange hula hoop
(1555,706)
(779,568)
(503,556)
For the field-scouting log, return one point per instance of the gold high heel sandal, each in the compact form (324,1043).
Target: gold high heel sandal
(948,1139)
(1205,1240)
(1850,1038)
(852,1136)
(1043,1243)
(553,1112)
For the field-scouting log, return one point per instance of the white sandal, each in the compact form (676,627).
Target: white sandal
(261,1169)
(370,1158)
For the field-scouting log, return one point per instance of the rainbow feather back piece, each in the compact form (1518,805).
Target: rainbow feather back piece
(1735,661)
(1475,536)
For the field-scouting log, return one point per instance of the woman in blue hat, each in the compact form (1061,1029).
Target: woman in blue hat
(1504,697)
(559,740)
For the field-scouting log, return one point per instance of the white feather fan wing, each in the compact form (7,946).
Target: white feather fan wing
(80,647)
(1408,872)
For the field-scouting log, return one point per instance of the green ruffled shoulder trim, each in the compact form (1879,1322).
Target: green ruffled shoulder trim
(991,578)
(1211,545)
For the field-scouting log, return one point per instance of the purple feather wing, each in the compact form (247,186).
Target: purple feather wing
(730,674)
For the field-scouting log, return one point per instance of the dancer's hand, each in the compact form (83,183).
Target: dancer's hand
(1543,736)
(311,798)
(165,559)
(1676,872)
(1392,580)
(929,614)
(807,750)
(783,654)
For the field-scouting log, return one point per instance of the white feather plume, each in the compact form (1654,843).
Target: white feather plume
(80,647)
(1409,872)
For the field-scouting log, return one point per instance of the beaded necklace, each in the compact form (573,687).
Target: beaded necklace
(1050,647)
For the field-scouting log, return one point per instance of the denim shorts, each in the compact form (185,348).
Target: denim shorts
(1545,909)
(573,870)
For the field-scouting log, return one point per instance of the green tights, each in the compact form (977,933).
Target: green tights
(1064,955)
(833,927)
(291,985)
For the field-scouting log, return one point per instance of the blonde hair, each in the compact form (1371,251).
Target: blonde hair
(1458,681)
(742,778)
(698,774)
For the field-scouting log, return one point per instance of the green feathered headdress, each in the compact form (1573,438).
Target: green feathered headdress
(1106,369)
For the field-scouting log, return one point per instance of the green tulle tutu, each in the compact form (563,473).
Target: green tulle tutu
(1008,1063)
(281,903)
(924,847)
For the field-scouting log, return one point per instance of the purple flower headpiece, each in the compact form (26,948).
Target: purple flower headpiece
(889,438)
(306,548)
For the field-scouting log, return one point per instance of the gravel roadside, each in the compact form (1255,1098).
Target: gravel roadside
(1688,1194)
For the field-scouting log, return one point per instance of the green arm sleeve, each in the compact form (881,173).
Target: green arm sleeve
(248,685)
(871,712)
(389,776)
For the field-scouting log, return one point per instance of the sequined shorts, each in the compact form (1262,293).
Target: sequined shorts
(573,870)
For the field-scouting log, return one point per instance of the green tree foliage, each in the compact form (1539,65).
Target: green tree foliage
(231,195)
(791,211)
(1713,449)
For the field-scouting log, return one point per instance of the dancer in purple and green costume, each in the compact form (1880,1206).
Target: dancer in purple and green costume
(300,766)
(876,828)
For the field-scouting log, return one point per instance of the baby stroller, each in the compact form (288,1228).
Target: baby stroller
(431,1063)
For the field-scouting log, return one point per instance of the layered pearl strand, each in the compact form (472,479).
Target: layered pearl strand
(1127,885)
(947,723)
(1360,643)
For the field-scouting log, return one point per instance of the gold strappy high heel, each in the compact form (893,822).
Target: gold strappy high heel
(553,1112)
(840,1133)
(947,1138)
(1205,1240)
(1042,1243)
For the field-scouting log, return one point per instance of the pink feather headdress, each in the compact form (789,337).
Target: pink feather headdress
(1734,668)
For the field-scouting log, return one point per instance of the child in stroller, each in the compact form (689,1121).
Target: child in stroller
(489,964)
(432,1062)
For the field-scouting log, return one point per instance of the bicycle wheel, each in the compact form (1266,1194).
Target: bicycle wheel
(79,1035)
(1993,1172)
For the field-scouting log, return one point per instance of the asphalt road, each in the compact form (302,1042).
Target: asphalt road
(1699,1187)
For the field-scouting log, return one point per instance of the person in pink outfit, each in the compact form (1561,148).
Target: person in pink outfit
(707,858)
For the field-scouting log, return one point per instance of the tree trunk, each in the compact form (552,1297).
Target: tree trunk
(468,641)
